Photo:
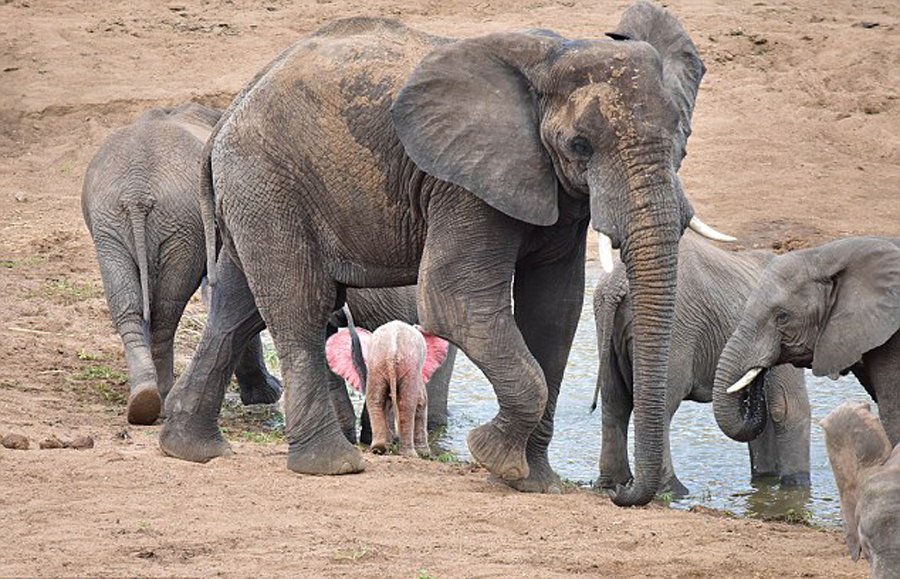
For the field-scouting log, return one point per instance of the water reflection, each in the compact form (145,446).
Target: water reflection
(715,468)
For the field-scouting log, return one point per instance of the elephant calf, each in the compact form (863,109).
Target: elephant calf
(712,287)
(391,366)
(867,473)
(140,204)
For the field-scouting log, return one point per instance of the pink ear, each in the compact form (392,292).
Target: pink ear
(435,353)
(337,352)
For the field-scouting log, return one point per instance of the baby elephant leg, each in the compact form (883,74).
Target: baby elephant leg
(421,427)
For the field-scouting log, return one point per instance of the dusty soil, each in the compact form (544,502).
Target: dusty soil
(796,141)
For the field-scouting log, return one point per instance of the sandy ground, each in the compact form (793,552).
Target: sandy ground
(796,141)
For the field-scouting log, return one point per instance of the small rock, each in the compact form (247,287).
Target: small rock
(15,442)
(21,197)
(865,24)
(82,442)
(50,443)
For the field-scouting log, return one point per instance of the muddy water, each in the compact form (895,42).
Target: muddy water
(714,468)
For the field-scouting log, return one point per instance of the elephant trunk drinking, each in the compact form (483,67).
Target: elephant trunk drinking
(740,412)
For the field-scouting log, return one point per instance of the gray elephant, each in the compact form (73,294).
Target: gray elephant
(867,473)
(370,154)
(713,286)
(140,204)
(833,308)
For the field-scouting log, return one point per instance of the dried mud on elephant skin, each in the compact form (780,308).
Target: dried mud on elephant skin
(793,139)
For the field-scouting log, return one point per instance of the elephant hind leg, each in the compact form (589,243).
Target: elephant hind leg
(421,426)
(257,385)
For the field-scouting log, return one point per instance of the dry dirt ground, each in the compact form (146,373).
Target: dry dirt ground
(796,141)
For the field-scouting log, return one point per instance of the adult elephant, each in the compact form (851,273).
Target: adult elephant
(713,286)
(370,154)
(139,201)
(833,308)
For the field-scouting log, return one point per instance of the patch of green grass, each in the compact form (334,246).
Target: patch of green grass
(665,498)
(447,458)
(86,356)
(256,436)
(19,263)
(108,384)
(353,554)
(792,517)
(68,291)
(423,574)
(67,167)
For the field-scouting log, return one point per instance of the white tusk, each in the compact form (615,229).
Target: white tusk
(743,382)
(606,256)
(708,232)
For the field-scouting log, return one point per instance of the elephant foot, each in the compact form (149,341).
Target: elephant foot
(674,486)
(144,405)
(494,450)
(327,454)
(184,436)
(265,390)
(541,479)
(408,452)
(423,451)
(798,480)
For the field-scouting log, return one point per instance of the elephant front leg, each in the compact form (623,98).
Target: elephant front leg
(421,426)
(191,431)
(616,406)
(257,385)
(548,300)
(464,296)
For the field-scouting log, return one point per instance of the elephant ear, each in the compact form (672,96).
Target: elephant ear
(682,68)
(865,278)
(856,442)
(338,352)
(435,353)
(468,115)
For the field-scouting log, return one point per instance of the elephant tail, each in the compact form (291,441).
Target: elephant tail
(137,214)
(208,213)
(611,290)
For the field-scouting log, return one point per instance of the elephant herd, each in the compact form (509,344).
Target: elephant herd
(451,183)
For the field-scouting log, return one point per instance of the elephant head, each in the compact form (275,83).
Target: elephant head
(867,474)
(531,122)
(819,308)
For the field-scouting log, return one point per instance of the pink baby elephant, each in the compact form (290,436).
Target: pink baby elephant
(390,366)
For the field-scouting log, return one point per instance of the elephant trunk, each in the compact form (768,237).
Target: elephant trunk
(650,253)
(741,415)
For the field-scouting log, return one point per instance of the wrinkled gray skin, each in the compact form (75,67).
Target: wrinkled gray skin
(140,205)
(867,473)
(833,308)
(713,286)
(370,154)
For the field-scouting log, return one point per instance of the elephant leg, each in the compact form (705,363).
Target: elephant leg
(788,438)
(365,427)
(343,407)
(257,385)
(616,405)
(296,297)
(464,296)
(548,300)
(405,406)
(438,388)
(421,426)
(669,482)
(377,401)
(764,456)
(122,286)
(191,431)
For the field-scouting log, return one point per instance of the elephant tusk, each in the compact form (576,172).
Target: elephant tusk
(708,232)
(604,245)
(744,381)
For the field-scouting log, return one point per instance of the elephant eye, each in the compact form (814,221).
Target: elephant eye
(580,147)
(781,318)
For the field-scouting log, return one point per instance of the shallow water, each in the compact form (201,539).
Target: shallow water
(715,468)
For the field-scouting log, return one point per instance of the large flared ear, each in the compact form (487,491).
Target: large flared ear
(682,68)
(435,353)
(856,442)
(864,274)
(468,115)
(338,352)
